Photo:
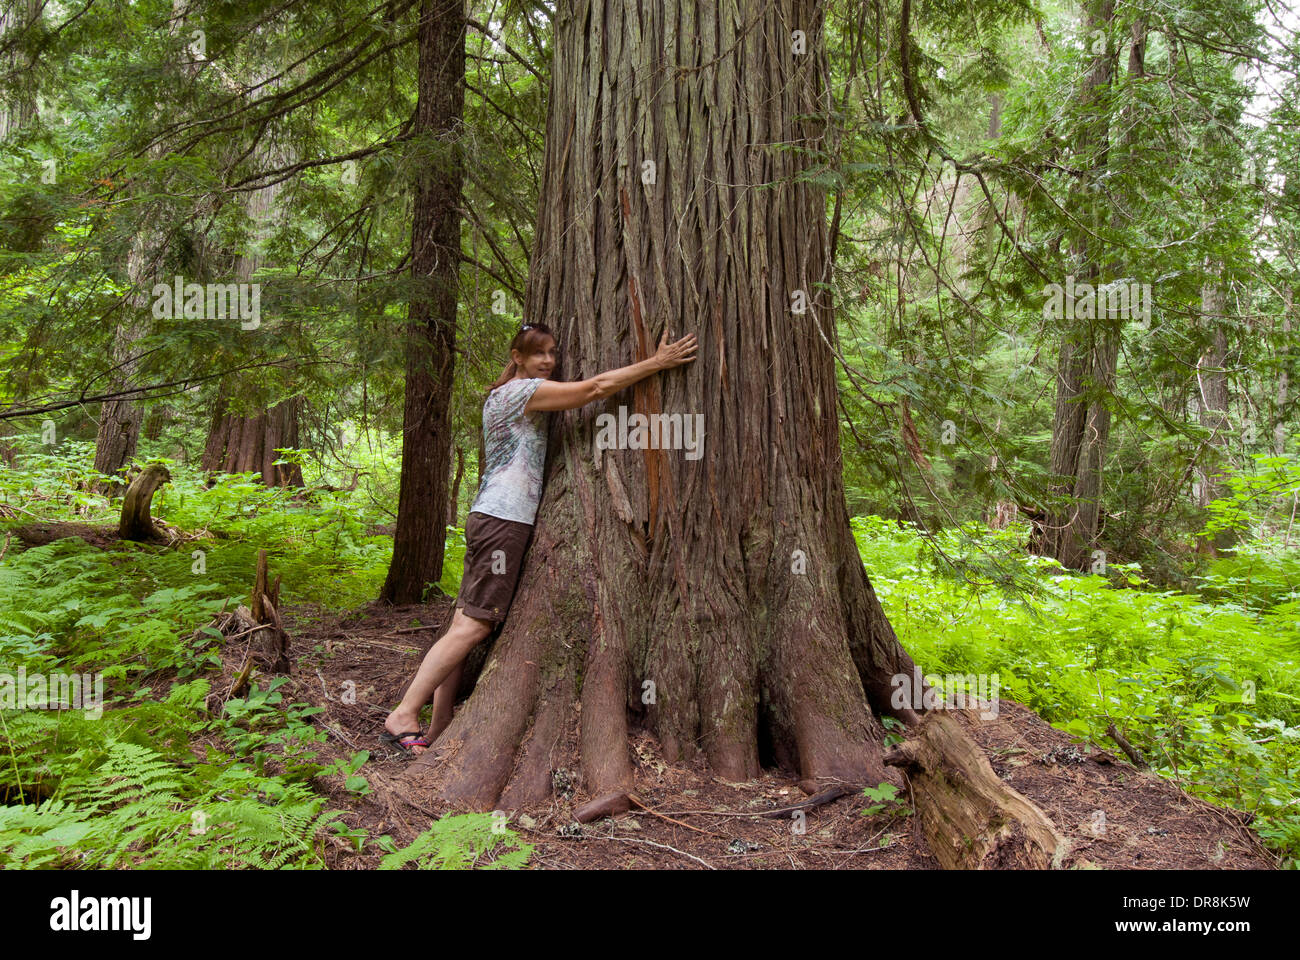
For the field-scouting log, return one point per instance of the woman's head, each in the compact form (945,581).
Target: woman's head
(532,354)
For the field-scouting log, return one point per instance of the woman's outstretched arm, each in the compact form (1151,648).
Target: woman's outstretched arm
(570,396)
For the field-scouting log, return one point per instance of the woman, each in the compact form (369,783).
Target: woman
(500,521)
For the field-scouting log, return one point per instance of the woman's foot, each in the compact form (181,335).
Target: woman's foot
(401,722)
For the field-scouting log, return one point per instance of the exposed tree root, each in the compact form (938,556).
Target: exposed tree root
(606,806)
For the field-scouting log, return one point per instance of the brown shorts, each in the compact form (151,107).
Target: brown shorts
(494,553)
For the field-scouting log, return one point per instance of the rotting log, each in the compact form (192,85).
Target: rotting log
(1131,751)
(970,818)
(136,522)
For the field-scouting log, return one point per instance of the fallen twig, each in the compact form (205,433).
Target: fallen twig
(1113,732)
(350,743)
(663,816)
(816,800)
(652,843)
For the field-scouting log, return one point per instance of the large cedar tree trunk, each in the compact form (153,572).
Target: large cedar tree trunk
(731,583)
(242,444)
(421,531)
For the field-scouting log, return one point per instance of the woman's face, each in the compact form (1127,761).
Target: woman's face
(536,365)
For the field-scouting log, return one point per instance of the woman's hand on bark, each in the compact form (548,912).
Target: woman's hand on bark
(671,355)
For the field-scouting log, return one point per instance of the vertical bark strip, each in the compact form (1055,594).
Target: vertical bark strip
(720,601)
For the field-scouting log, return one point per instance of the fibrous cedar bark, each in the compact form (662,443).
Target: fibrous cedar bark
(270,641)
(243,444)
(421,532)
(720,600)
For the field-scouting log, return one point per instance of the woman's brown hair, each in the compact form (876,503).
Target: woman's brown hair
(530,339)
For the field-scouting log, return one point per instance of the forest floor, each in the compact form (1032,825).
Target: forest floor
(1115,815)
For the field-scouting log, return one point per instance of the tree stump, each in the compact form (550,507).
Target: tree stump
(136,522)
(970,818)
(260,621)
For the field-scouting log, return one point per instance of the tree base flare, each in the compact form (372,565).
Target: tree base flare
(970,818)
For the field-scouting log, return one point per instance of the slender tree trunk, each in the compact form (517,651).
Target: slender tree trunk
(481,459)
(1085,372)
(1212,407)
(719,601)
(453,502)
(18,107)
(421,531)
(119,420)
(1283,378)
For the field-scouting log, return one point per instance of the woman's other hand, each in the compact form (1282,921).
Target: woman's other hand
(671,355)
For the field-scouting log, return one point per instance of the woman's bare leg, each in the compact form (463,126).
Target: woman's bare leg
(444,702)
(443,657)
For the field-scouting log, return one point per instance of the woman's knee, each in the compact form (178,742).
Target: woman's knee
(469,631)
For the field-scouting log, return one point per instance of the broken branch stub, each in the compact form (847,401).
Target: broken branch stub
(136,522)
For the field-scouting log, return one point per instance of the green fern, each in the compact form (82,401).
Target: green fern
(459,842)
(131,812)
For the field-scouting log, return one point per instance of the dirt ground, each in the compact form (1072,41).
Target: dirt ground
(1115,815)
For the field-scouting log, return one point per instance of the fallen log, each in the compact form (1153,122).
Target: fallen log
(970,818)
(816,800)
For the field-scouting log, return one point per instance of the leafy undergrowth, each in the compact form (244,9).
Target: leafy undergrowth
(143,773)
(1207,688)
(168,772)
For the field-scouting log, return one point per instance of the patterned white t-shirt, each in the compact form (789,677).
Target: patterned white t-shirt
(515,448)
